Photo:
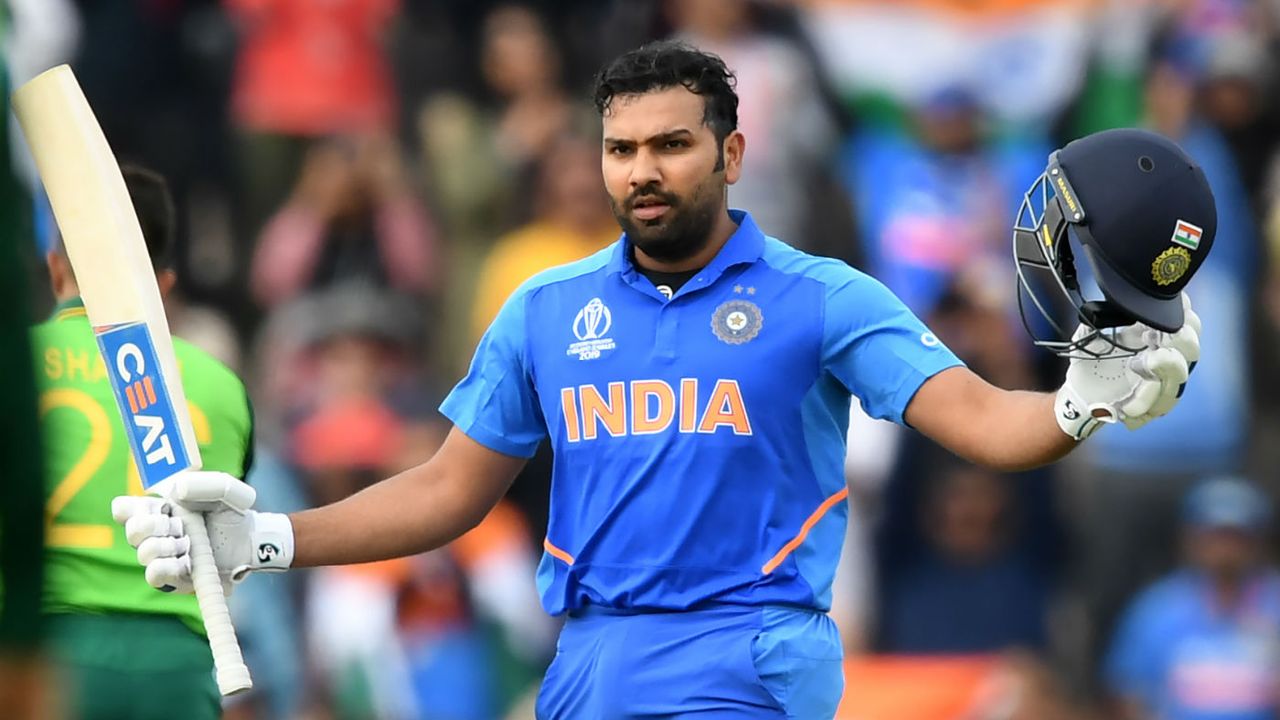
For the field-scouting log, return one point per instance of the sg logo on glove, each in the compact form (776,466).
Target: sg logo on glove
(267,552)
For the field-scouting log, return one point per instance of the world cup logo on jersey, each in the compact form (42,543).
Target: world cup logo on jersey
(591,327)
(593,321)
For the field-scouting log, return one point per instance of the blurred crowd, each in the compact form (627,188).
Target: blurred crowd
(361,184)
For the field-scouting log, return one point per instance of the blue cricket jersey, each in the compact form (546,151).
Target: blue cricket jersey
(699,441)
(1185,658)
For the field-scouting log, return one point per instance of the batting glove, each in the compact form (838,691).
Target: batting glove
(1123,387)
(243,540)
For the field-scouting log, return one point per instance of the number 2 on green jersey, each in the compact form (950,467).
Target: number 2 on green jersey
(101,435)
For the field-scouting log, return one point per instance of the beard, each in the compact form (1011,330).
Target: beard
(679,233)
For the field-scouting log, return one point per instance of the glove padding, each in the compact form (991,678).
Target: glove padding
(242,539)
(1133,389)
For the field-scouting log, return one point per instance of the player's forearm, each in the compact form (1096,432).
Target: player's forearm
(1006,430)
(1018,432)
(420,509)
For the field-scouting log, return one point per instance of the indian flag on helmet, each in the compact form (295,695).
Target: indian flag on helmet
(1187,235)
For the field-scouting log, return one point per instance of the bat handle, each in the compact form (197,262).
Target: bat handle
(232,673)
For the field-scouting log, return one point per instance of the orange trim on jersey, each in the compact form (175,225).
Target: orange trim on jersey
(556,552)
(812,520)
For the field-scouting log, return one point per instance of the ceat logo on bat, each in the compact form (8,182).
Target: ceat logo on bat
(150,424)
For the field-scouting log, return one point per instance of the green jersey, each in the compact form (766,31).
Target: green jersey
(89,566)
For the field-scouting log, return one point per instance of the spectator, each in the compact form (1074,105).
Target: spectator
(480,155)
(779,107)
(352,218)
(938,201)
(965,579)
(1128,484)
(305,70)
(966,560)
(1022,58)
(572,221)
(1201,643)
(967,321)
(423,644)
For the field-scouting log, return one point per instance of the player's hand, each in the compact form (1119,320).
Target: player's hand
(1187,342)
(242,539)
(1132,389)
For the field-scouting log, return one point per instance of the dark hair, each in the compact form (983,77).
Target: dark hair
(154,207)
(666,64)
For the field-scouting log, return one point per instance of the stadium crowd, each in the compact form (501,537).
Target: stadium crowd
(361,183)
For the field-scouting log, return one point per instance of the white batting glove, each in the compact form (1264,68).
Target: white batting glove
(1132,389)
(243,540)
(1187,342)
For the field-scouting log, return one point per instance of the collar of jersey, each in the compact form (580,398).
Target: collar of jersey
(69,308)
(744,246)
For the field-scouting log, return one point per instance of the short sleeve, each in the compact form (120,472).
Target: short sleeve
(496,404)
(877,348)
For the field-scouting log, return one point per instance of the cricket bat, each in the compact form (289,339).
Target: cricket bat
(118,284)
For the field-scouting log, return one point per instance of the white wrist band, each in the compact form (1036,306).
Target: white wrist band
(1074,416)
(273,542)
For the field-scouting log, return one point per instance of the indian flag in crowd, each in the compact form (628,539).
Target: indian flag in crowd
(1187,235)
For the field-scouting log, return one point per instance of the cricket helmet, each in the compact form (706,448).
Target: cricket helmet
(1139,213)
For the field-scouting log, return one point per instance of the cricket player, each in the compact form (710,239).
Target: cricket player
(126,651)
(694,381)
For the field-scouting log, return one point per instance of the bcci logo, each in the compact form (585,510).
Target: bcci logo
(737,321)
(591,326)
(1172,264)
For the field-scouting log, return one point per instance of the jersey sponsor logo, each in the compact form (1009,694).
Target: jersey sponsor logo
(737,321)
(151,426)
(591,327)
(649,407)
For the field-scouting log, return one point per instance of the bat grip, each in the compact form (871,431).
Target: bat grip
(232,673)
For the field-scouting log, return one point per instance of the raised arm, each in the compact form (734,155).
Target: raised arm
(1006,430)
(1016,430)
(498,423)
(420,509)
